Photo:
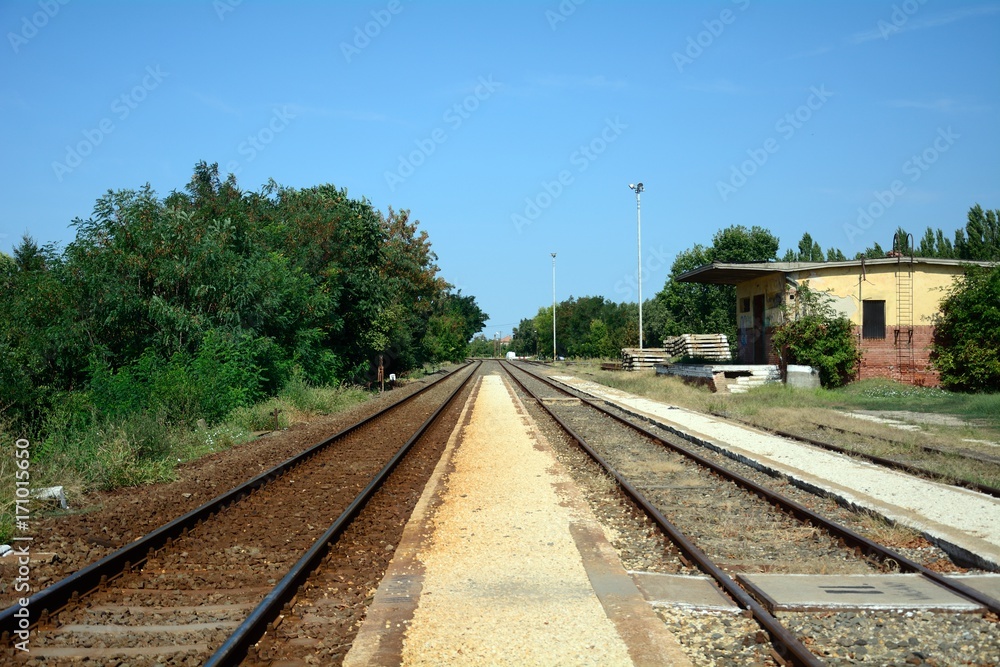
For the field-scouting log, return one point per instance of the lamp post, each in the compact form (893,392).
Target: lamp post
(553,307)
(638,222)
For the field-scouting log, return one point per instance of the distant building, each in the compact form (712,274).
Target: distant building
(892,303)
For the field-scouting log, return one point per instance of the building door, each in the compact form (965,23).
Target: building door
(759,346)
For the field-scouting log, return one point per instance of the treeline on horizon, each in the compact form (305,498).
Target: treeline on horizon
(595,327)
(211,298)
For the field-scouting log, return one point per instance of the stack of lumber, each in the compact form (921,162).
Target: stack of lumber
(633,359)
(701,346)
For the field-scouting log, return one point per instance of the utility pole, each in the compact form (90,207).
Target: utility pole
(638,221)
(553,307)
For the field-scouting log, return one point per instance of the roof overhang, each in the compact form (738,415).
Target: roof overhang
(721,273)
(718,273)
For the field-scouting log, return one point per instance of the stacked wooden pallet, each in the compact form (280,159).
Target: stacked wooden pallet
(700,346)
(633,359)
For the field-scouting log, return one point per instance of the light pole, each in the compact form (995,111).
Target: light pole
(638,222)
(553,307)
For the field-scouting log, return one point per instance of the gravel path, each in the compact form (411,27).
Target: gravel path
(504,582)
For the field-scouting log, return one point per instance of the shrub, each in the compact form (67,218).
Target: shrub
(966,345)
(223,374)
(814,334)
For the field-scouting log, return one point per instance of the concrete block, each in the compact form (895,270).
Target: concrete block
(52,494)
(802,377)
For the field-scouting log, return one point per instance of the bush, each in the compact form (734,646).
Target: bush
(814,334)
(966,345)
(225,373)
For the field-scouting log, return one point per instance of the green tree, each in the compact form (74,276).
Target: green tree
(409,274)
(481,347)
(981,240)
(525,338)
(809,250)
(814,334)
(737,244)
(454,321)
(42,347)
(543,325)
(966,345)
(703,308)
(697,307)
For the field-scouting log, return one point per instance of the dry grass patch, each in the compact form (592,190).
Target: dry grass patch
(663,467)
(893,535)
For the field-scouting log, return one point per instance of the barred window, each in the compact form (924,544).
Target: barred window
(873,319)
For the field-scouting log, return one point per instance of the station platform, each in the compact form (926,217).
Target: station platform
(503,563)
(962,522)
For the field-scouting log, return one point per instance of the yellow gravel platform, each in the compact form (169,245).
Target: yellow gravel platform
(504,564)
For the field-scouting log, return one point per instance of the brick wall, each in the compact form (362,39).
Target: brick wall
(880,357)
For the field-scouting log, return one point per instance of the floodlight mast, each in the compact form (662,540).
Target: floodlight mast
(553,307)
(637,187)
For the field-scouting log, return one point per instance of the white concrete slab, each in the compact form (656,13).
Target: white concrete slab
(678,590)
(964,522)
(811,592)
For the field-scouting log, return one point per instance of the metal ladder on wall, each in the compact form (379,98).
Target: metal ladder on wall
(904,307)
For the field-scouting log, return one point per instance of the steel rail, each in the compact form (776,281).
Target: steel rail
(235,648)
(786,644)
(896,465)
(54,598)
(851,538)
(978,456)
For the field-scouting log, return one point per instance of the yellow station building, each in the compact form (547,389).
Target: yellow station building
(892,303)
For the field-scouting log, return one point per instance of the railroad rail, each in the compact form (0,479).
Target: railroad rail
(890,463)
(788,646)
(156,551)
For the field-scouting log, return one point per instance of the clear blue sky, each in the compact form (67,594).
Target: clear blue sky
(788,115)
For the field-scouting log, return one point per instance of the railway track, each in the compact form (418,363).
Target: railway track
(202,588)
(902,465)
(731,526)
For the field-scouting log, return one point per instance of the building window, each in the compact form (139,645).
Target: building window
(745,304)
(873,319)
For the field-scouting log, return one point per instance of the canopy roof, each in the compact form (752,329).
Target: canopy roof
(721,273)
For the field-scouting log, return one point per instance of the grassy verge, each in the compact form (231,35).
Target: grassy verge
(820,413)
(143,449)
